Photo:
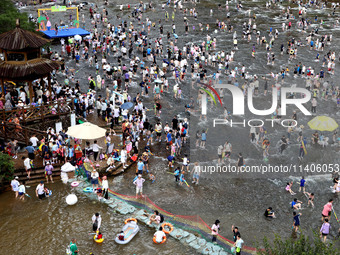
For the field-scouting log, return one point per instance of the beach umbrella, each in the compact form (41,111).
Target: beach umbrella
(158,81)
(323,123)
(126,105)
(86,131)
(77,37)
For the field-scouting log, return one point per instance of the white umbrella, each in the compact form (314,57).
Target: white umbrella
(158,81)
(86,131)
(68,167)
(77,37)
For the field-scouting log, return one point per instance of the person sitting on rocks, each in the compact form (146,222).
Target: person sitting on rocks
(155,217)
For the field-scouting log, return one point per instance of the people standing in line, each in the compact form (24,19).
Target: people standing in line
(15,186)
(214,231)
(96,222)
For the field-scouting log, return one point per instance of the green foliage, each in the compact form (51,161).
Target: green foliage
(302,245)
(8,15)
(6,168)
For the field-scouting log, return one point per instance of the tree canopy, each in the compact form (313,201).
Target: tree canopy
(8,15)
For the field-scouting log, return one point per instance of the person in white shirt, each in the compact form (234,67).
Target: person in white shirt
(123,156)
(94,179)
(97,222)
(27,166)
(15,186)
(34,140)
(40,191)
(22,191)
(95,149)
(159,235)
(105,185)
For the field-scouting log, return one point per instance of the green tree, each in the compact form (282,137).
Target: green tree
(8,16)
(6,168)
(303,245)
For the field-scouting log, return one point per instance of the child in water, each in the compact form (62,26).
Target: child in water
(289,188)
(121,236)
(176,174)
(99,235)
(181,178)
(152,178)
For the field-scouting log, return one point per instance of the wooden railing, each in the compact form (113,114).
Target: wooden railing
(10,130)
(40,112)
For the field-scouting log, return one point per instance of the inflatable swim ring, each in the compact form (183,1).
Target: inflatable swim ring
(168,225)
(130,219)
(98,240)
(74,184)
(154,240)
(88,190)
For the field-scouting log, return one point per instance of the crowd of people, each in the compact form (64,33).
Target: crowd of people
(141,61)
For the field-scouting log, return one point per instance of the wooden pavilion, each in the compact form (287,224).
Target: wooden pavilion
(22,61)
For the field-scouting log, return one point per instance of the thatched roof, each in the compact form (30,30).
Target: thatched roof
(30,70)
(19,39)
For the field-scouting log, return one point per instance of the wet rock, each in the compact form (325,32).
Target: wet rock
(113,205)
(216,248)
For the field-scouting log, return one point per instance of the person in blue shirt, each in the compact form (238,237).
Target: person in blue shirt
(176,174)
(171,160)
(181,178)
(168,139)
(30,149)
(296,204)
(203,138)
(140,167)
(296,221)
(302,184)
